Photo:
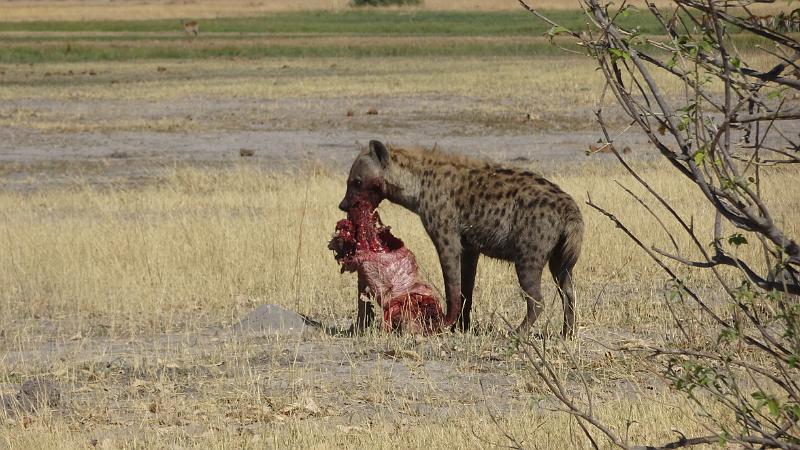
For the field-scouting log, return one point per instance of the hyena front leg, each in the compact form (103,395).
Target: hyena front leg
(469,268)
(448,246)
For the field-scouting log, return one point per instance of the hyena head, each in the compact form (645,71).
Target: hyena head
(367,179)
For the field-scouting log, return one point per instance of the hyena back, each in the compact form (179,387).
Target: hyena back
(472,207)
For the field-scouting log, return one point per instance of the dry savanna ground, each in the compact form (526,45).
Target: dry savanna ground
(137,246)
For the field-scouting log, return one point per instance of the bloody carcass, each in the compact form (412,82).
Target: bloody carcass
(362,244)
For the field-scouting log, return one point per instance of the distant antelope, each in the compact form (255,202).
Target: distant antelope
(190,27)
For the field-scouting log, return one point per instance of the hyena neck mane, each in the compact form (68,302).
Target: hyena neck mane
(409,167)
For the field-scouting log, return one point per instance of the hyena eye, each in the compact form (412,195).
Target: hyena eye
(357,183)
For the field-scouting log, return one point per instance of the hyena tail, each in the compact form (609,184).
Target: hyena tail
(562,261)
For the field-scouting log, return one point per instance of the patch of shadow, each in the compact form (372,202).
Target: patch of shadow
(34,395)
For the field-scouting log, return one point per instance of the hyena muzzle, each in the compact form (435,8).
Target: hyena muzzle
(472,207)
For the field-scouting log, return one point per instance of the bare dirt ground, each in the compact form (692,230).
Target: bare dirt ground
(423,378)
(285,133)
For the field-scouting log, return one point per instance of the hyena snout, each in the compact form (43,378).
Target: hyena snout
(347,201)
(370,191)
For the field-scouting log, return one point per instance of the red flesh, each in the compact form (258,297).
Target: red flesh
(363,244)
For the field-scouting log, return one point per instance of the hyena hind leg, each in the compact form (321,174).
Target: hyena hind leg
(529,273)
(562,274)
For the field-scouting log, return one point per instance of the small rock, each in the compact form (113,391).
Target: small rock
(274,319)
(372,112)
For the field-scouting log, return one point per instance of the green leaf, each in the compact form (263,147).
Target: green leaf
(737,239)
(773,406)
(768,400)
(699,156)
(556,30)
(617,54)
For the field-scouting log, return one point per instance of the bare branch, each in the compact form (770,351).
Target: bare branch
(786,114)
(725,260)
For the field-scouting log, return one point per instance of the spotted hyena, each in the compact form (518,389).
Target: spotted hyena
(472,207)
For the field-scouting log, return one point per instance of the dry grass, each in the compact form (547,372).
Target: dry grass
(546,79)
(97,274)
(203,238)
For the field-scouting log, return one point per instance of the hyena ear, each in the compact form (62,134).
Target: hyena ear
(379,152)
